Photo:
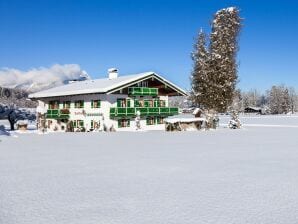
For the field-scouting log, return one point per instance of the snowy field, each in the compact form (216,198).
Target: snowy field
(223,176)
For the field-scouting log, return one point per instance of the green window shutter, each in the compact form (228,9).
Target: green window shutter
(92,103)
(99,104)
(82,104)
(136,103)
(119,102)
(81,123)
(128,123)
(146,103)
(74,124)
(119,123)
(127,102)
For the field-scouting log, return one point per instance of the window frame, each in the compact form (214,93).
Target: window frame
(81,102)
(150,121)
(54,105)
(98,102)
(123,121)
(66,104)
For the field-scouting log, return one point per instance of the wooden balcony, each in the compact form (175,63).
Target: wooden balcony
(144,111)
(58,114)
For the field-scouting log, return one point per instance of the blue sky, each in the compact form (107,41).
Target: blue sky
(137,36)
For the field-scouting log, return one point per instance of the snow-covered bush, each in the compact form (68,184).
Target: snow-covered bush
(235,122)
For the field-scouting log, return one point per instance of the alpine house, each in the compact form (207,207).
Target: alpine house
(112,103)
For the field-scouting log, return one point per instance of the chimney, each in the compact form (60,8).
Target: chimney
(113,73)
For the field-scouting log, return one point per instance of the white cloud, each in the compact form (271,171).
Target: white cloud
(37,79)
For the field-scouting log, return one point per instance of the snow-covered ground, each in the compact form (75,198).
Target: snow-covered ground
(223,176)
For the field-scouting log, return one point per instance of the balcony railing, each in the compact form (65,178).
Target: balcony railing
(142,91)
(144,111)
(58,114)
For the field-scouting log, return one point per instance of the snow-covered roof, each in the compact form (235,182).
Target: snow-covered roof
(184,119)
(254,108)
(105,85)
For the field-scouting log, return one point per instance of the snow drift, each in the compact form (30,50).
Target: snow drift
(3,131)
(41,78)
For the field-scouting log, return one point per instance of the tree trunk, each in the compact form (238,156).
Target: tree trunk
(11,122)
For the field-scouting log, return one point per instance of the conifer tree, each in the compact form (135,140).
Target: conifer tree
(222,69)
(214,74)
(199,79)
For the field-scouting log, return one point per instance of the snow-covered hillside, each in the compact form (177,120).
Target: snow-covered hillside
(37,79)
(225,176)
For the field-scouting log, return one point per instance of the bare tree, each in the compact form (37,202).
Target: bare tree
(293,99)
(13,115)
(278,99)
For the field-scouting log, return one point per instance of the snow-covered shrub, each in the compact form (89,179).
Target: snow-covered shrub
(235,122)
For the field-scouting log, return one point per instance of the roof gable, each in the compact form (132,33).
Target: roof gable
(105,85)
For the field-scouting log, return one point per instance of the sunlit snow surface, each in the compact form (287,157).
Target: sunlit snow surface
(223,176)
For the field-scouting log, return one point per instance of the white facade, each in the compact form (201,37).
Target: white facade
(91,118)
(100,115)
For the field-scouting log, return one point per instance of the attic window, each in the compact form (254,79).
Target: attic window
(145,83)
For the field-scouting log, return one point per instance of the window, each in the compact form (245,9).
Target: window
(80,123)
(150,121)
(162,103)
(95,103)
(127,102)
(159,120)
(141,103)
(66,104)
(122,123)
(79,104)
(53,105)
(123,102)
(148,103)
(137,103)
(143,84)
